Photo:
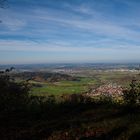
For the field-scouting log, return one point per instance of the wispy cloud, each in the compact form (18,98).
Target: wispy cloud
(89,27)
(58,46)
(48,20)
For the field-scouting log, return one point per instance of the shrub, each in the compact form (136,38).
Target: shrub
(13,95)
(106,99)
(132,95)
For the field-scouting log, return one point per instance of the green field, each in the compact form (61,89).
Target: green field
(63,87)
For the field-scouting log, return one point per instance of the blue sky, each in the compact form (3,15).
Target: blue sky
(57,31)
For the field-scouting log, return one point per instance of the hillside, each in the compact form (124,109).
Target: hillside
(45,76)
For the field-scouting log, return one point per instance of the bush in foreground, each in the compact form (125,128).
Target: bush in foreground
(13,95)
(132,95)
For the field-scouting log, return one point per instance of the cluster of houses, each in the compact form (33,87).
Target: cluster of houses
(111,89)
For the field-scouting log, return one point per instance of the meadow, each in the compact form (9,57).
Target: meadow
(63,87)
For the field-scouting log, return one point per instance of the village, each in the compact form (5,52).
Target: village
(109,89)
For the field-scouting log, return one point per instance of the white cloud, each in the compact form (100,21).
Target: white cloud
(12,21)
(13,45)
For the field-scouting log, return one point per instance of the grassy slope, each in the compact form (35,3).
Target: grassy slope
(73,122)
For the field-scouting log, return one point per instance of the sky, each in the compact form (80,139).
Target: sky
(69,31)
